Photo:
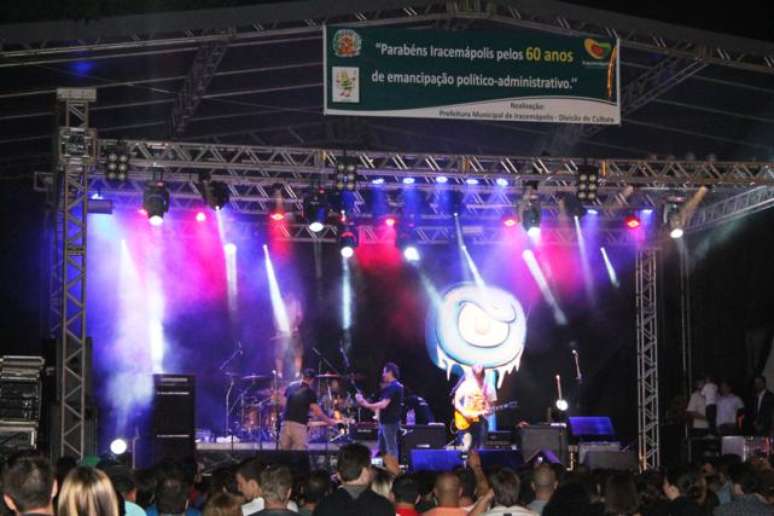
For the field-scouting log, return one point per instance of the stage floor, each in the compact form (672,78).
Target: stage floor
(266,445)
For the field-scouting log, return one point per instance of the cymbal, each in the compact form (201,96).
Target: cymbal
(328,376)
(256,377)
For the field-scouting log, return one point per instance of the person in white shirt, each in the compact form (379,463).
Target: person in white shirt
(729,405)
(248,478)
(696,412)
(710,392)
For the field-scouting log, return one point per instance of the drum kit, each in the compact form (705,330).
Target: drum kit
(253,408)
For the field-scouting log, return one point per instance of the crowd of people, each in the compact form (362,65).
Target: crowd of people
(726,486)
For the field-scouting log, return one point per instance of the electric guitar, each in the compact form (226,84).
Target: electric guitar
(462,422)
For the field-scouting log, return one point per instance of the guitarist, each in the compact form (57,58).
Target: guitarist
(473,400)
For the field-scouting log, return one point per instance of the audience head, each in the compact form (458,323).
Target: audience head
(223,480)
(381,482)
(87,492)
(146,487)
(570,498)
(506,486)
(63,466)
(316,487)
(276,486)
(683,482)
(745,480)
(29,484)
(725,388)
(248,478)
(621,494)
(354,464)
(405,490)
(544,482)
(123,481)
(447,490)
(172,494)
(223,504)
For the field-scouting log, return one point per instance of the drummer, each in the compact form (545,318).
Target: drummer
(335,400)
(300,400)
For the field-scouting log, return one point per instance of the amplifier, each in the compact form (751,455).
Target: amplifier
(15,437)
(363,431)
(423,437)
(172,420)
(550,437)
(584,448)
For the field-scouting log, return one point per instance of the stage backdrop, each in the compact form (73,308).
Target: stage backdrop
(172,299)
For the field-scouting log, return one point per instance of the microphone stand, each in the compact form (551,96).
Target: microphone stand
(237,351)
(578,380)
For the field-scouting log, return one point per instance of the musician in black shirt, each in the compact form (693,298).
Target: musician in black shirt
(300,398)
(389,406)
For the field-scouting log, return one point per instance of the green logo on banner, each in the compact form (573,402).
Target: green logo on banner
(347,43)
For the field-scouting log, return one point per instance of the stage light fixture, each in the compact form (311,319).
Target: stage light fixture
(378,181)
(530,219)
(348,241)
(155,201)
(315,209)
(117,167)
(411,254)
(390,221)
(471,181)
(408,180)
(201,217)
(119,446)
(573,206)
(277,216)
(588,183)
(502,182)
(562,405)
(214,193)
(346,174)
(676,233)
(510,220)
(230,248)
(632,221)
(592,211)
(675,224)
(407,243)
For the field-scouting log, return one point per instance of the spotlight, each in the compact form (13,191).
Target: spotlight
(118,446)
(562,405)
(117,169)
(442,180)
(230,248)
(647,211)
(588,183)
(315,210)
(155,201)
(277,216)
(502,182)
(592,211)
(676,233)
(346,174)
(408,180)
(531,219)
(534,232)
(510,221)
(214,193)
(407,243)
(411,254)
(390,221)
(472,181)
(201,217)
(348,241)
(377,181)
(632,221)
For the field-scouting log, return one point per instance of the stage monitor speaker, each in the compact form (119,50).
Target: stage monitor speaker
(545,437)
(447,460)
(423,437)
(622,460)
(172,420)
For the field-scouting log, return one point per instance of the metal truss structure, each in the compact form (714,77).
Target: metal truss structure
(253,173)
(649,434)
(203,69)
(650,85)
(731,208)
(76,149)
(42,42)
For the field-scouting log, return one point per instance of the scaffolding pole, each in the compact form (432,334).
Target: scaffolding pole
(649,438)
